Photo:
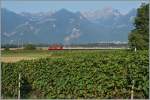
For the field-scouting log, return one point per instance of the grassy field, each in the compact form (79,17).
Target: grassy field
(17,55)
(25,53)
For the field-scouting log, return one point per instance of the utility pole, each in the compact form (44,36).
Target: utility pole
(18,43)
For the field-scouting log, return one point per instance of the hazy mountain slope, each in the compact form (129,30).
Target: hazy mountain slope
(11,20)
(64,26)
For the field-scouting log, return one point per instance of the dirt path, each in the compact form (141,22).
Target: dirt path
(15,59)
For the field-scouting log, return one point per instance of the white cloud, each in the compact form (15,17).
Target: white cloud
(74,35)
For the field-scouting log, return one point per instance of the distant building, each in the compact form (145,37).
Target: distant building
(55,47)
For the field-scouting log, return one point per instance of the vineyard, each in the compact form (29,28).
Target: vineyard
(79,75)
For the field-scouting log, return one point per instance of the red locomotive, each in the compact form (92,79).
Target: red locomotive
(55,47)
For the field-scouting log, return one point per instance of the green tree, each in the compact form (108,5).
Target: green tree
(6,48)
(139,37)
(30,47)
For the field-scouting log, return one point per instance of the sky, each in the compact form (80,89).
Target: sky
(34,6)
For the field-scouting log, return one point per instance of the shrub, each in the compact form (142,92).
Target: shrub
(30,47)
(6,49)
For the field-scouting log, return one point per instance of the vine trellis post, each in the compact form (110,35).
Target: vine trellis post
(132,91)
(19,85)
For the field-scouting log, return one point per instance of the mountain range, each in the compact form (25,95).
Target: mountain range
(64,26)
